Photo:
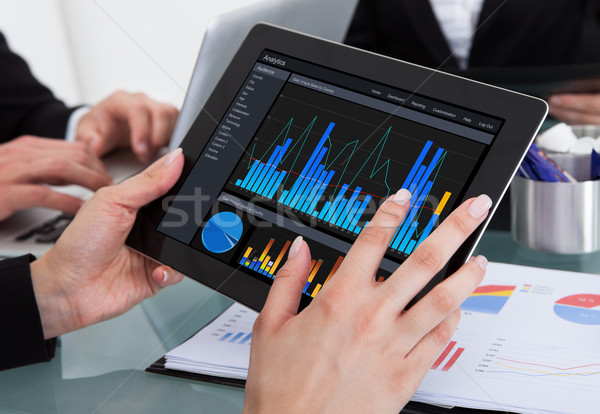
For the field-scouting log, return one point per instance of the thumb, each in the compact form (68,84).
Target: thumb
(284,296)
(151,183)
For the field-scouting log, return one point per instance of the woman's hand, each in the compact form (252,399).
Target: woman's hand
(355,348)
(90,275)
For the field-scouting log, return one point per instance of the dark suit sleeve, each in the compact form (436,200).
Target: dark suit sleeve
(27,106)
(22,340)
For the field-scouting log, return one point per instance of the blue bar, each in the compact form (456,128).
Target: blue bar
(415,182)
(410,247)
(424,193)
(428,229)
(360,210)
(283,196)
(417,164)
(238,182)
(350,216)
(246,338)
(252,263)
(261,173)
(319,194)
(275,186)
(238,336)
(357,229)
(267,188)
(227,335)
(324,210)
(306,287)
(344,213)
(338,211)
(436,158)
(243,260)
(416,205)
(311,196)
(410,233)
(310,184)
(335,202)
(272,170)
(252,170)
(308,164)
(308,177)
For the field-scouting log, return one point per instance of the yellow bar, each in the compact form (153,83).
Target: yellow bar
(335,268)
(442,204)
(317,288)
(264,253)
(248,250)
(262,266)
(247,263)
(314,271)
(281,254)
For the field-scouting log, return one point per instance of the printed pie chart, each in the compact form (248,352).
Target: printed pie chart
(222,232)
(583,309)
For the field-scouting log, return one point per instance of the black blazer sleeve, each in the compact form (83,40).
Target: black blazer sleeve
(27,106)
(21,330)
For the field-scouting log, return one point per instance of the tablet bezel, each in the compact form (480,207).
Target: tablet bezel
(523,116)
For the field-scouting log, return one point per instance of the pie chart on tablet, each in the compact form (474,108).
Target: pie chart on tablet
(222,232)
(583,309)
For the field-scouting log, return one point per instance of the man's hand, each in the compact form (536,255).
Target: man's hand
(124,119)
(576,109)
(355,348)
(89,275)
(27,163)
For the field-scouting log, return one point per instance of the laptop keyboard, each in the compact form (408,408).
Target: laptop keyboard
(48,232)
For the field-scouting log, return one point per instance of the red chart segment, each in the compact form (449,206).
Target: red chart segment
(444,357)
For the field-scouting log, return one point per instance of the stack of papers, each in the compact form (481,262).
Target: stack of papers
(528,342)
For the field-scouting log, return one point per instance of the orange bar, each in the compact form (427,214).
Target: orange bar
(317,288)
(280,257)
(380,279)
(248,251)
(335,268)
(442,204)
(264,253)
(314,270)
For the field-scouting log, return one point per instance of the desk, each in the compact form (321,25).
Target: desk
(100,369)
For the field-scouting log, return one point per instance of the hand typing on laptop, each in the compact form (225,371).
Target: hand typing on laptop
(28,163)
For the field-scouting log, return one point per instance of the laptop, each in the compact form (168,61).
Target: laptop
(326,19)
(36,229)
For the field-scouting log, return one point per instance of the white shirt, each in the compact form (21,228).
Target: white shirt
(458,20)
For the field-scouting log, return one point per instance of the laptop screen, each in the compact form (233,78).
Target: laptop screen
(306,150)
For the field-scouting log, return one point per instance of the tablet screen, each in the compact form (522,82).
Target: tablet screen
(306,150)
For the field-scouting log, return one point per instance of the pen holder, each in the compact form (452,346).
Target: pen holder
(556,217)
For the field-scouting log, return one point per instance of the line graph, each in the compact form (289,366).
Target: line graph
(331,162)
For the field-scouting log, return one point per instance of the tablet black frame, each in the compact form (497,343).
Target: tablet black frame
(523,117)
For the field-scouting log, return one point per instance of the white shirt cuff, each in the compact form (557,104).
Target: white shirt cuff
(74,122)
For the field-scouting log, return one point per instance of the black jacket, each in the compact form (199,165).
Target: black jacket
(510,33)
(27,106)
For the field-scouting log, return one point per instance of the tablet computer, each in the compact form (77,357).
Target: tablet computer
(304,136)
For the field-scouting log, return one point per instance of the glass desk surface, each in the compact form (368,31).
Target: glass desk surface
(100,369)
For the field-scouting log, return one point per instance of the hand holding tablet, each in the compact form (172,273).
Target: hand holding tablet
(354,348)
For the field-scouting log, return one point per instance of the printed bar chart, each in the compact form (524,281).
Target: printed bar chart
(445,353)
(240,338)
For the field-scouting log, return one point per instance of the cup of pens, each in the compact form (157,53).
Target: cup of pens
(555,197)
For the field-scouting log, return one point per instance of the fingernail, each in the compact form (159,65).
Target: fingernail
(165,276)
(142,147)
(172,156)
(481,261)
(296,245)
(555,100)
(480,206)
(402,196)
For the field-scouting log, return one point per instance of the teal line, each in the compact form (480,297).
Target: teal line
(251,155)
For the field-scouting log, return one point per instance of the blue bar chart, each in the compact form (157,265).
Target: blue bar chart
(313,192)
